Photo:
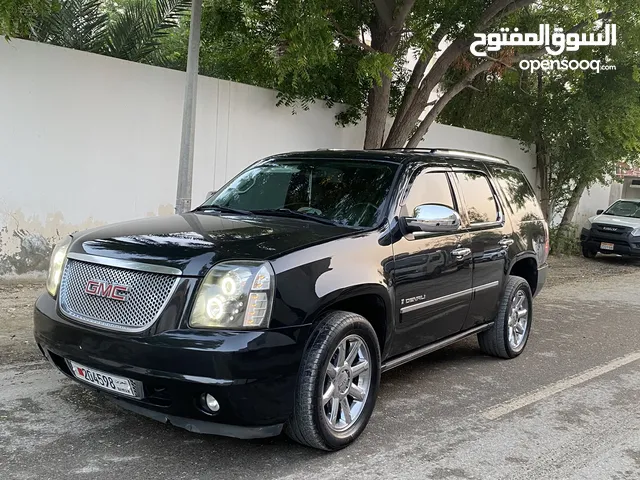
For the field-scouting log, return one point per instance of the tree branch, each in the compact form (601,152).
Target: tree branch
(584,23)
(444,100)
(459,87)
(401,127)
(403,13)
(497,60)
(351,40)
(512,7)
(499,7)
(385,10)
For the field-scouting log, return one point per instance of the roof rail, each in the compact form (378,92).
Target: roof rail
(458,153)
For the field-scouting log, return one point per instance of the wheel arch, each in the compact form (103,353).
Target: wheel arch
(526,266)
(372,301)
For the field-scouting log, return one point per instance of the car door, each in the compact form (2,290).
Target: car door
(432,271)
(491,237)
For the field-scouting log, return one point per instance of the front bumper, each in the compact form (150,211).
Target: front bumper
(252,374)
(623,244)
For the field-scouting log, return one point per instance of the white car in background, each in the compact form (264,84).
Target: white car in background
(614,230)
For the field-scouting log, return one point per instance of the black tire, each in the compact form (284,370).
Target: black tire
(588,253)
(307,424)
(495,341)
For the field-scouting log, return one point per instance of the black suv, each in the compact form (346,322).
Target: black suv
(280,301)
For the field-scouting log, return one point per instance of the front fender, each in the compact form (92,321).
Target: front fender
(310,281)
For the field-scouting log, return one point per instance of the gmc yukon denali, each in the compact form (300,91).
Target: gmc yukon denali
(277,304)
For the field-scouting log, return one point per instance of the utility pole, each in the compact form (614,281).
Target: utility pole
(185,169)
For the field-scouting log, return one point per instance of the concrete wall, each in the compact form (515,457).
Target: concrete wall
(599,197)
(595,198)
(87,140)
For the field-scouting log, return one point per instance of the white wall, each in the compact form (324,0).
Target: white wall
(87,139)
(444,136)
(593,199)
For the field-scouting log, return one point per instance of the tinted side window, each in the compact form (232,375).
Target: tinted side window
(429,187)
(521,199)
(482,205)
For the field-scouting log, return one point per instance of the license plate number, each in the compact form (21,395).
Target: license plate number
(102,380)
(606,246)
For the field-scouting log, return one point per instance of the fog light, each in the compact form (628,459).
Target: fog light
(210,402)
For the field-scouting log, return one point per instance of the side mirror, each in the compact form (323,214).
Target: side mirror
(599,212)
(433,218)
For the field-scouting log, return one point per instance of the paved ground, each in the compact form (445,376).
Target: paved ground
(567,408)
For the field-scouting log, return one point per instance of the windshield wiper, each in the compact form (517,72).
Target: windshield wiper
(220,208)
(285,212)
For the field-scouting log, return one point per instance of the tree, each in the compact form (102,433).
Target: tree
(353,52)
(127,29)
(356,52)
(17,16)
(582,123)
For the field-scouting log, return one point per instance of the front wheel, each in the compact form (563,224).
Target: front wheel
(509,333)
(337,384)
(588,253)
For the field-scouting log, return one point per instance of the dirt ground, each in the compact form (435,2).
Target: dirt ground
(568,269)
(16,307)
(17,299)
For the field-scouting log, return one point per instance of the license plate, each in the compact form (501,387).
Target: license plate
(102,380)
(606,246)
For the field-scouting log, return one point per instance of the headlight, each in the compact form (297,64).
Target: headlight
(56,262)
(587,225)
(636,232)
(235,294)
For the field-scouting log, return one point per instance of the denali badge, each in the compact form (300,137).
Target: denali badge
(610,229)
(100,288)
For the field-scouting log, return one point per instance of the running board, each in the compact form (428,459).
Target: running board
(413,354)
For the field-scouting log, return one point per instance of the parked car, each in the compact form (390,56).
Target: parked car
(614,230)
(280,301)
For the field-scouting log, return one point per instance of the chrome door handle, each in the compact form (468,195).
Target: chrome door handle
(506,242)
(460,253)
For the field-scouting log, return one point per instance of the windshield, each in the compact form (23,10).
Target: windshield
(344,192)
(624,208)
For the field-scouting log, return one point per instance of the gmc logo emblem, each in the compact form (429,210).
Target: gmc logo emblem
(610,229)
(100,288)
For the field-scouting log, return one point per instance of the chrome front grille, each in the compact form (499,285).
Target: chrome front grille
(147,296)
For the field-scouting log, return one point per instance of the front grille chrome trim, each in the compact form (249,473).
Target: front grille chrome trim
(126,264)
(120,324)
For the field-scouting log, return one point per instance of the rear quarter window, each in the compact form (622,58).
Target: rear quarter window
(518,193)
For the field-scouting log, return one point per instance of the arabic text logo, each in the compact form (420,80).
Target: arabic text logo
(555,43)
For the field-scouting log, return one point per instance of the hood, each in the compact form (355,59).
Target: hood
(615,220)
(194,242)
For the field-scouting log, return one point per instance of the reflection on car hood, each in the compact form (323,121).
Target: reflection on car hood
(615,220)
(194,242)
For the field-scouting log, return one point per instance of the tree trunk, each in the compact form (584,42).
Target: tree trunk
(543,163)
(542,167)
(378,106)
(403,127)
(442,102)
(417,75)
(385,41)
(572,205)
(404,124)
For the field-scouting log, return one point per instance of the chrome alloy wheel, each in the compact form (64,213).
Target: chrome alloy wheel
(346,383)
(518,320)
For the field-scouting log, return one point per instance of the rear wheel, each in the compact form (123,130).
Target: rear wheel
(338,383)
(588,252)
(510,331)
